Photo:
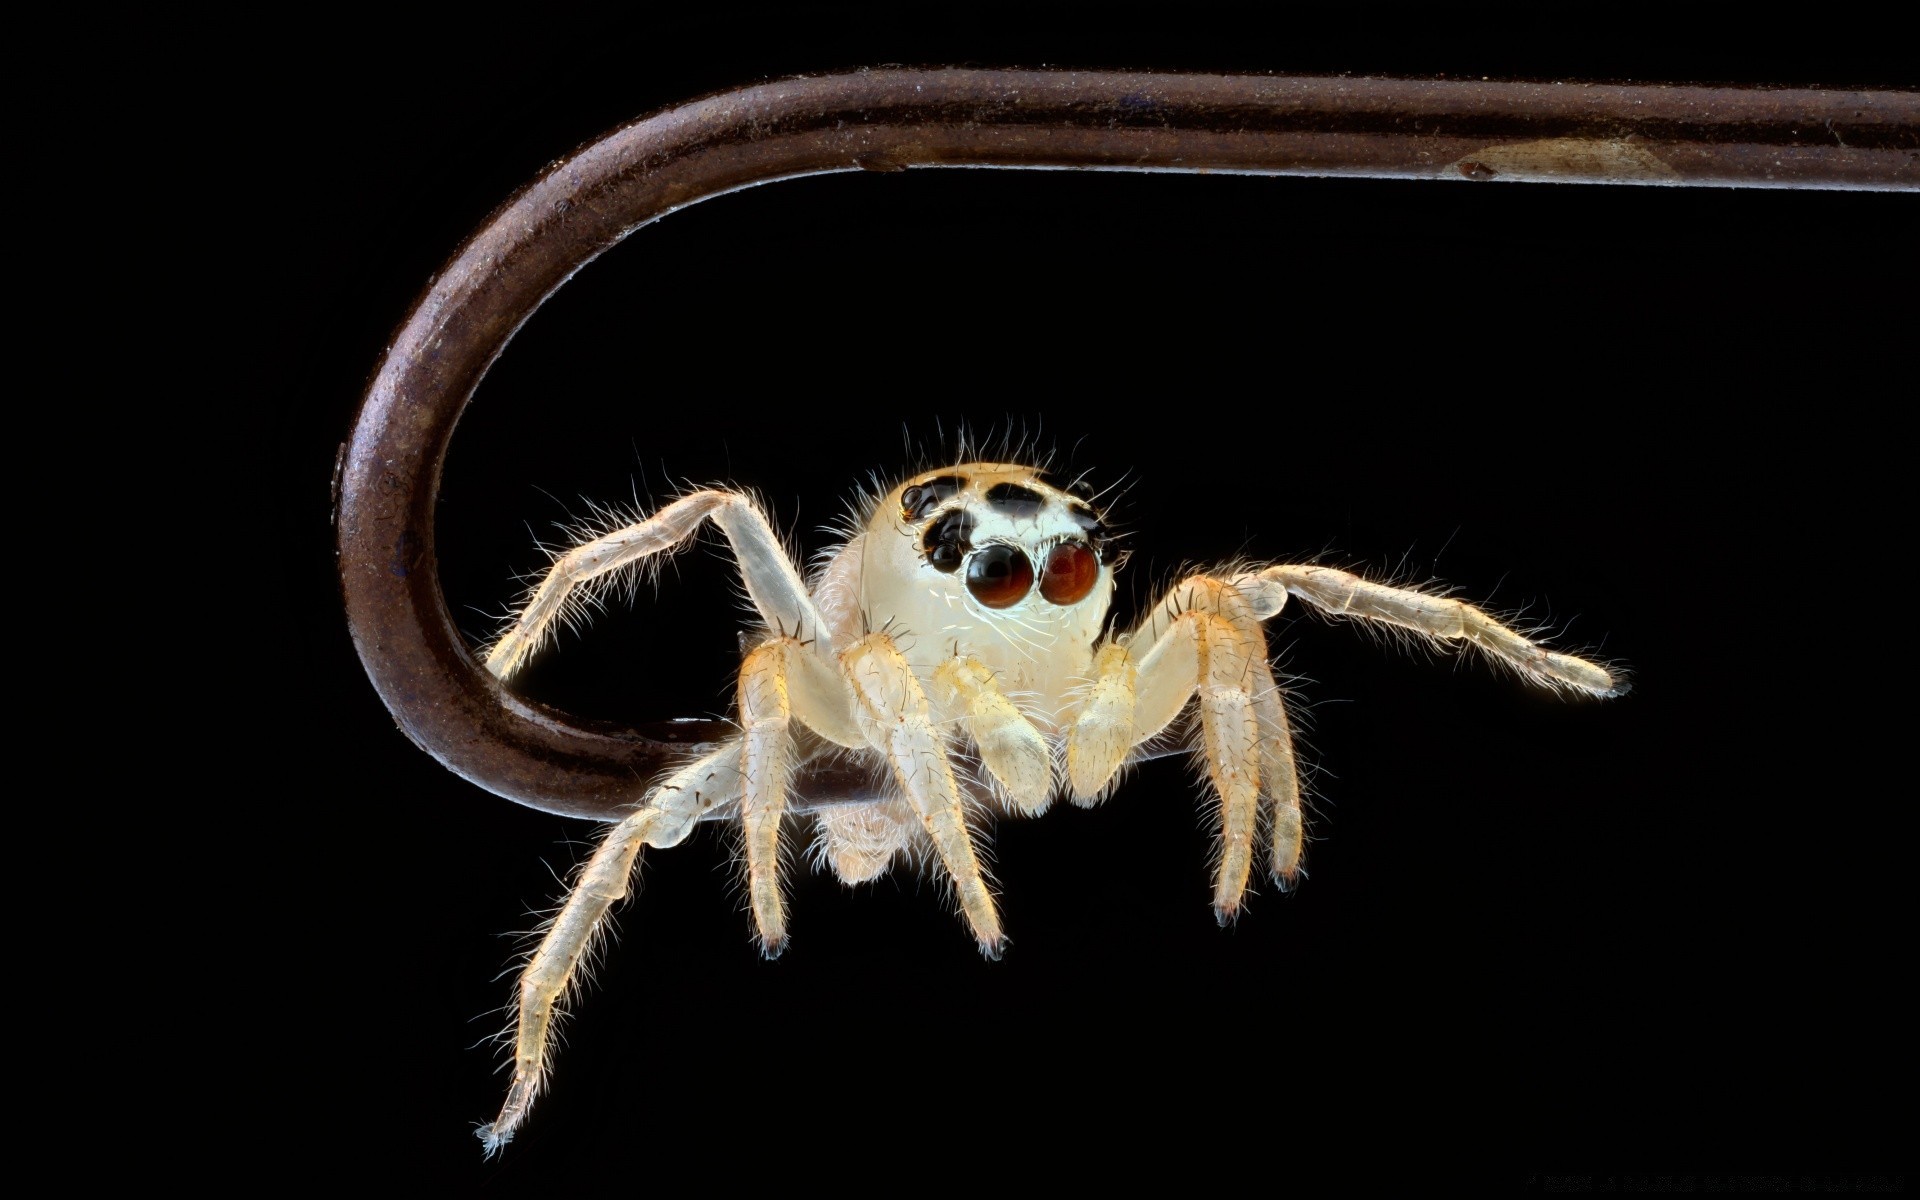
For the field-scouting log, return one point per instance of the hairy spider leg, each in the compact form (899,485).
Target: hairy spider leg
(775,587)
(551,971)
(1204,642)
(894,713)
(1279,778)
(665,817)
(1442,618)
(779,682)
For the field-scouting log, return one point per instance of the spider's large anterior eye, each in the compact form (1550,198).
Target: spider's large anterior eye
(999,576)
(1069,573)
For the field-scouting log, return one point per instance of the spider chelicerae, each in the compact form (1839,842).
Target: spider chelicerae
(958,640)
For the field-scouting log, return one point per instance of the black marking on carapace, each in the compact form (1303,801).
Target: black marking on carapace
(922,498)
(1098,536)
(1013,500)
(947,541)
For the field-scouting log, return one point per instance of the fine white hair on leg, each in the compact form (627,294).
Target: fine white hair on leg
(1342,593)
(684,798)
(895,716)
(669,813)
(772,582)
(551,970)
(781,681)
(1232,654)
(1205,640)
(1014,753)
(766,764)
(1279,778)
(1104,731)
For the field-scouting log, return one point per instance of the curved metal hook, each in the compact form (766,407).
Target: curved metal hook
(886,120)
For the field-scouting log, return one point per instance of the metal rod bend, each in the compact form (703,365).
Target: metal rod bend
(886,120)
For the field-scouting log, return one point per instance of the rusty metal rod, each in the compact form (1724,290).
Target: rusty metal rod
(889,120)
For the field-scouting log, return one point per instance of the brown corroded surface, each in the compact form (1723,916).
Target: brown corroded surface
(887,120)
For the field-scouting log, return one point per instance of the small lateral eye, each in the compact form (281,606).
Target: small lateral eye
(1069,573)
(948,540)
(999,576)
(918,501)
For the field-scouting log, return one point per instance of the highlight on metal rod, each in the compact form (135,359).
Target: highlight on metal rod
(887,120)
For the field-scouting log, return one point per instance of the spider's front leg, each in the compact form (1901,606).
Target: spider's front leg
(780,680)
(1204,639)
(773,584)
(893,712)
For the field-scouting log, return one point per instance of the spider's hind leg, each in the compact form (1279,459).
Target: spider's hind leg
(670,811)
(551,970)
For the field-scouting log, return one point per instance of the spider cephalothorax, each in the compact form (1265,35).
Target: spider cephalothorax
(959,640)
(989,557)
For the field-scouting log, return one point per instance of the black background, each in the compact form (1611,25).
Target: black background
(1540,938)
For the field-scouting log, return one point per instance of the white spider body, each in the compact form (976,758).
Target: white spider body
(959,641)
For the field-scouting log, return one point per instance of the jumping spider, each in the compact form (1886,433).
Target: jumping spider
(956,641)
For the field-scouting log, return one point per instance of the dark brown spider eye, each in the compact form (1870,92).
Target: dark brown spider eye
(999,576)
(1069,573)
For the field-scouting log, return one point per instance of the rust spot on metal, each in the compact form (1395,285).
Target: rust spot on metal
(1569,158)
